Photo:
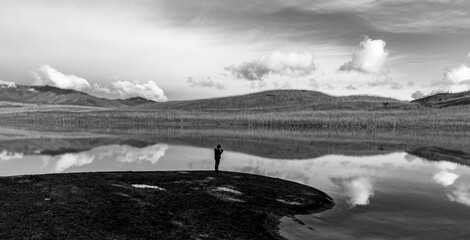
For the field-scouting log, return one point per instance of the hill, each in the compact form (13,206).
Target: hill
(286,100)
(52,95)
(134,101)
(442,100)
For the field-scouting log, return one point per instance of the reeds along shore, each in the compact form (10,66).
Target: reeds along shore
(454,118)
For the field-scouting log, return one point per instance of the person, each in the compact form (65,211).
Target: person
(217,155)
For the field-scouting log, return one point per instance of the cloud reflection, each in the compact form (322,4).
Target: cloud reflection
(445,165)
(69,160)
(358,190)
(120,153)
(460,194)
(445,178)
(130,154)
(6,155)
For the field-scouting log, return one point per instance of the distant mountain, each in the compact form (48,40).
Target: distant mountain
(134,101)
(442,100)
(275,100)
(52,95)
(286,100)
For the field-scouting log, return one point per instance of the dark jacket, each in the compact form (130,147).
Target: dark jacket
(218,153)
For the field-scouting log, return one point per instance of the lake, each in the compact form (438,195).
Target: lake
(386,185)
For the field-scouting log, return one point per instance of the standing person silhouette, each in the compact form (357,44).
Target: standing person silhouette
(217,155)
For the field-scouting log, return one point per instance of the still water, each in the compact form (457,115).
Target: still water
(393,191)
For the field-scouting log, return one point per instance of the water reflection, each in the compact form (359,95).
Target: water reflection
(357,190)
(380,193)
(460,194)
(444,176)
(354,179)
(6,155)
(118,153)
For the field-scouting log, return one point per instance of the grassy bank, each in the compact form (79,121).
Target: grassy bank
(151,205)
(453,118)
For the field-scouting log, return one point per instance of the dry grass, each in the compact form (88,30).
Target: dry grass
(453,118)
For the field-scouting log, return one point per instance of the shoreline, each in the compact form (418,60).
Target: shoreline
(163,204)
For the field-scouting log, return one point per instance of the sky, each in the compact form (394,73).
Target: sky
(191,49)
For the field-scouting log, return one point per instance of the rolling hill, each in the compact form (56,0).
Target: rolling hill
(52,95)
(285,100)
(442,100)
(274,100)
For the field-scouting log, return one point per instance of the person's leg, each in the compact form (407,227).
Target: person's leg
(217,161)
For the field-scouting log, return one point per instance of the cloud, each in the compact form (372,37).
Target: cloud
(46,74)
(385,80)
(455,80)
(148,90)
(368,58)
(460,194)
(4,84)
(313,84)
(458,74)
(206,82)
(284,64)
(417,95)
(357,189)
(351,87)
(445,178)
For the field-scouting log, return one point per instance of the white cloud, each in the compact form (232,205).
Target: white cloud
(417,95)
(458,74)
(460,194)
(445,178)
(285,64)
(357,189)
(148,90)
(455,80)
(46,74)
(101,89)
(204,82)
(4,84)
(368,58)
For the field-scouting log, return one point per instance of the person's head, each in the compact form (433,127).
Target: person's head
(218,146)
